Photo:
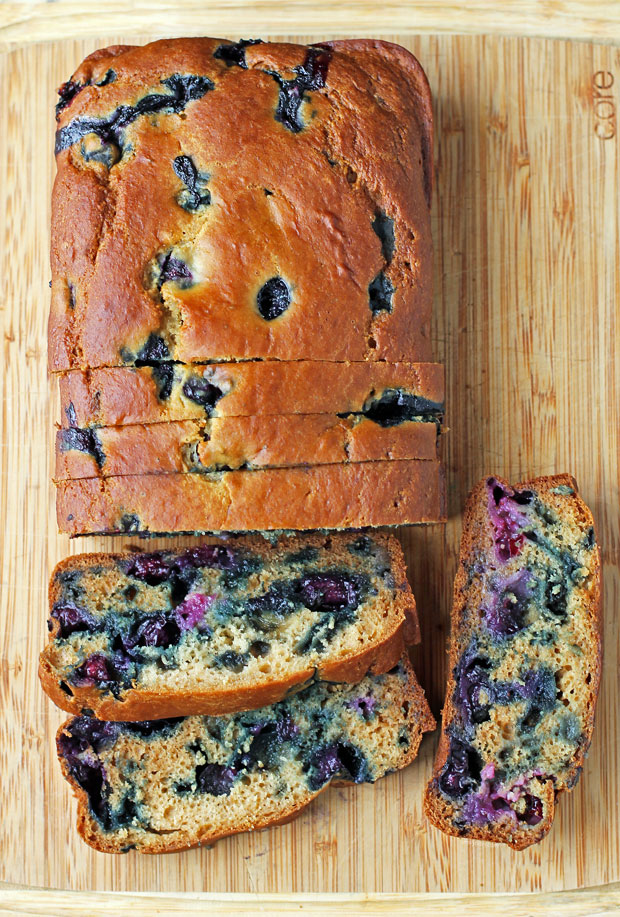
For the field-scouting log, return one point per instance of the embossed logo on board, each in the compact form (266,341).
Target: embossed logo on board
(604,104)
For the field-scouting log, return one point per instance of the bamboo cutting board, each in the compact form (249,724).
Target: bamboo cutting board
(527,280)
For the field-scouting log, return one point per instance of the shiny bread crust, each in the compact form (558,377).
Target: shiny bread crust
(364,146)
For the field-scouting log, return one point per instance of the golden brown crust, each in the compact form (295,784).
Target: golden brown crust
(116,396)
(142,704)
(420,720)
(241,442)
(359,154)
(320,497)
(476,533)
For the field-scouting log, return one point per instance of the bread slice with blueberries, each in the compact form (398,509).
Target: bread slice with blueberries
(223,627)
(525,662)
(166,785)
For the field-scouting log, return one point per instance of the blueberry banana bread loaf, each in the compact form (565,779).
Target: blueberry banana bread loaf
(387,392)
(223,627)
(165,785)
(223,443)
(525,662)
(233,201)
(269,499)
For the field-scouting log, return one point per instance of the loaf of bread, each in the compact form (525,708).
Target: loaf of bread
(219,201)
(166,785)
(166,391)
(223,627)
(224,443)
(270,499)
(525,662)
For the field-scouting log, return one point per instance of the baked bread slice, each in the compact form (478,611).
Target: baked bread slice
(170,391)
(219,201)
(269,499)
(525,662)
(167,785)
(224,443)
(223,627)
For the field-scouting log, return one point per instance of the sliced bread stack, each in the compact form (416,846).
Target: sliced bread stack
(241,289)
(219,688)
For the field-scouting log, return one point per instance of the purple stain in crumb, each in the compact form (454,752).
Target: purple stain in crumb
(286,729)
(487,805)
(207,555)
(215,779)
(192,611)
(322,591)
(151,568)
(494,801)
(533,811)
(365,706)
(72,618)
(505,614)
(121,664)
(540,687)
(93,671)
(324,764)
(474,693)
(157,630)
(462,771)
(483,808)
(507,519)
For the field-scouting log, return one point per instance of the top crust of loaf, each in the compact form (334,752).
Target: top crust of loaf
(478,538)
(350,239)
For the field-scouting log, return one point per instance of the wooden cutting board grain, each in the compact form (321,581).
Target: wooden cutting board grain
(527,279)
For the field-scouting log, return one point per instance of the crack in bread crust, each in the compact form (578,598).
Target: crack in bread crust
(299,237)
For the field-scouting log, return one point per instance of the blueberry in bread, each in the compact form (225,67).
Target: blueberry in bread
(165,785)
(271,207)
(223,627)
(525,662)
(223,443)
(343,496)
(163,392)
